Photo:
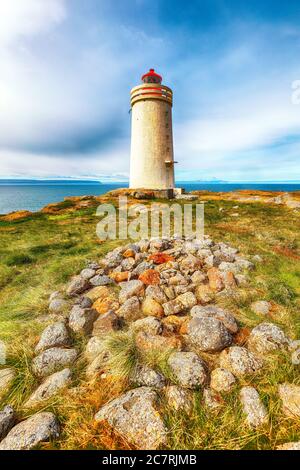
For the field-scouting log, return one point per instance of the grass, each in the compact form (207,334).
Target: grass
(40,253)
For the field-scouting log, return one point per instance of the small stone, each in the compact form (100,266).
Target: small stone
(87,273)
(190,264)
(106,324)
(156,293)
(98,365)
(129,253)
(173,323)
(131,289)
(172,307)
(100,292)
(52,360)
(198,277)
(130,310)
(6,378)
(150,325)
(146,342)
(212,400)
(189,369)
(208,334)
(203,293)
(289,446)
(215,280)
(222,380)
(229,280)
(77,285)
(81,320)
(290,396)
(55,335)
(94,347)
(120,276)
(55,295)
(212,311)
(85,302)
(296,357)
(254,409)
(187,300)
(100,280)
(179,398)
(150,277)
(266,338)
(145,376)
(134,415)
(31,432)
(261,307)
(242,280)
(140,268)
(50,387)
(169,292)
(239,361)
(106,301)
(152,308)
(7,420)
(257,259)
(128,264)
(57,306)
(178,279)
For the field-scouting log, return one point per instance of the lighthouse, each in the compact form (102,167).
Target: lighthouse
(152,155)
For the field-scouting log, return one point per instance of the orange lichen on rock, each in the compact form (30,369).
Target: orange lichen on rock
(16,216)
(241,337)
(120,276)
(150,277)
(161,258)
(106,301)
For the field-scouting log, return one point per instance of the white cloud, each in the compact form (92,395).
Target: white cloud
(28,17)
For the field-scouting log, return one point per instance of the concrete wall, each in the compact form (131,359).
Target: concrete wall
(151,145)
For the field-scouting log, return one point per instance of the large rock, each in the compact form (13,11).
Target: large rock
(179,398)
(6,378)
(222,380)
(50,387)
(152,307)
(31,432)
(145,376)
(156,293)
(212,311)
(7,419)
(106,324)
(290,396)
(254,409)
(266,338)
(151,325)
(239,361)
(208,334)
(130,310)
(81,320)
(146,342)
(130,289)
(53,360)
(77,286)
(55,335)
(261,307)
(100,280)
(134,415)
(289,446)
(188,369)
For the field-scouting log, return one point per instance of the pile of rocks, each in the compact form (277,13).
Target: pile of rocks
(165,294)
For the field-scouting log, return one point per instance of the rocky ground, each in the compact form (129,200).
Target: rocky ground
(150,315)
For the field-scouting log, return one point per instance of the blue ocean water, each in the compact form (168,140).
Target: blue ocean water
(33,195)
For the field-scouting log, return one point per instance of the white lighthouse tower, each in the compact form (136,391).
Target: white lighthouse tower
(152,156)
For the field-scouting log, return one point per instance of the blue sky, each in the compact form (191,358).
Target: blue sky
(67,67)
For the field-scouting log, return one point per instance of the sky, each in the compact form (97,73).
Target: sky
(67,67)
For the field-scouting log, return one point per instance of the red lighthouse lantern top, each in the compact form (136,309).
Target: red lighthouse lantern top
(151,77)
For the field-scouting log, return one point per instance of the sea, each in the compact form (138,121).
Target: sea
(32,195)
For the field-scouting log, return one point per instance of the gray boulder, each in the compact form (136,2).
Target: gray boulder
(50,387)
(55,335)
(81,320)
(52,360)
(7,420)
(266,338)
(239,361)
(134,415)
(77,285)
(31,432)
(211,311)
(145,376)
(254,409)
(208,334)
(189,370)
(100,280)
(130,289)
